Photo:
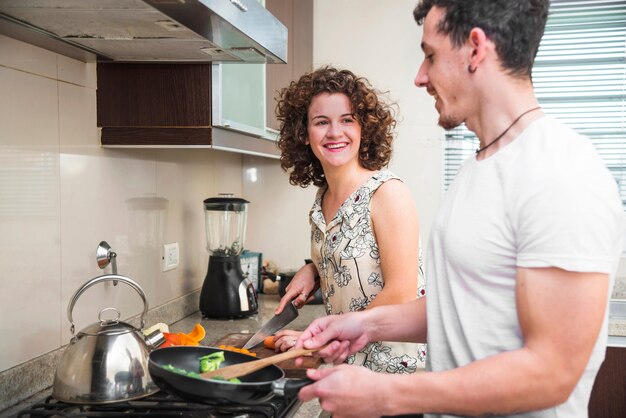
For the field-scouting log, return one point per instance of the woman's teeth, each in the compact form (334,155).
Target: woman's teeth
(335,146)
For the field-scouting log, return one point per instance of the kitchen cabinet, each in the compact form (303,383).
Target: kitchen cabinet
(165,105)
(297,16)
(154,104)
(608,397)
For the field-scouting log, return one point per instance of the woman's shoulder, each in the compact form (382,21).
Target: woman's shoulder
(387,186)
(393,197)
(385,175)
(381,178)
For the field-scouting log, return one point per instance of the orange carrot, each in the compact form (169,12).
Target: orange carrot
(237,349)
(269,342)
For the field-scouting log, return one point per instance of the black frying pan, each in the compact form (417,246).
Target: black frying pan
(257,387)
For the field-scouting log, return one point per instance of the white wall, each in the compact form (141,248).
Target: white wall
(278,213)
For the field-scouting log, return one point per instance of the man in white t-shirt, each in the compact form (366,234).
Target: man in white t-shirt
(523,253)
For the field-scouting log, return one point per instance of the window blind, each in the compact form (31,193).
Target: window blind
(579,78)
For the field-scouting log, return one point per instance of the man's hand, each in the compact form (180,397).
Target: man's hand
(335,389)
(347,330)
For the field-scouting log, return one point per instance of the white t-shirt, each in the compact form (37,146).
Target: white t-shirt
(544,200)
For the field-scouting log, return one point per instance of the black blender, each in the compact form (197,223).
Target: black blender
(226,292)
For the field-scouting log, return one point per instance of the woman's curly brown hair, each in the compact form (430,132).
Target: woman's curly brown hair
(375,117)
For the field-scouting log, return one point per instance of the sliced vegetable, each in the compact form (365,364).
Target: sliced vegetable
(197,333)
(269,342)
(207,363)
(211,362)
(173,339)
(179,339)
(192,338)
(237,349)
(181,371)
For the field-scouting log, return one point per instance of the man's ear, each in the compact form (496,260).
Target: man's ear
(477,41)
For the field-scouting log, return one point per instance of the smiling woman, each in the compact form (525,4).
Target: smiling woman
(336,133)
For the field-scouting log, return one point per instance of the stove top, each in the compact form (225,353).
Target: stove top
(163,404)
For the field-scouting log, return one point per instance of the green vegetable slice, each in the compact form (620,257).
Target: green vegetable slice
(181,371)
(211,362)
(207,363)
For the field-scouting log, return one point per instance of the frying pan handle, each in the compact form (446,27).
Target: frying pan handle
(290,387)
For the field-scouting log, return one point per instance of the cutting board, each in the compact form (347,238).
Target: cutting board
(289,366)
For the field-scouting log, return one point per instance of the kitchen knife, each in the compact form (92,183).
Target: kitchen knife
(270,327)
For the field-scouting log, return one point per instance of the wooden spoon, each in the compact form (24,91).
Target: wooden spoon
(242,369)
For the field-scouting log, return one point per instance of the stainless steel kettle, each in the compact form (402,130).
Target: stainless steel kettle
(107,361)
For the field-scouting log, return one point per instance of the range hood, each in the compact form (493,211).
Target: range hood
(148,30)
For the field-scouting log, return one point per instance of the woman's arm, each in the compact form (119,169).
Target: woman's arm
(396,230)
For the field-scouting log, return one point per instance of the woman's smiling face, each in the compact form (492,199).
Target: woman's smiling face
(334,133)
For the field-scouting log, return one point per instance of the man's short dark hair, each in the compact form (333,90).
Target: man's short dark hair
(515,26)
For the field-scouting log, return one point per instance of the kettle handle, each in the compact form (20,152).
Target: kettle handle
(107,278)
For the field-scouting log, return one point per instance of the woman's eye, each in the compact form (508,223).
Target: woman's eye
(430,57)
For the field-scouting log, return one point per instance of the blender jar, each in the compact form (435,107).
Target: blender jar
(225,222)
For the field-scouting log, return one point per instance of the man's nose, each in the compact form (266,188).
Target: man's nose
(421,78)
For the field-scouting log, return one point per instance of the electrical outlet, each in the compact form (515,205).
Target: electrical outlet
(170,256)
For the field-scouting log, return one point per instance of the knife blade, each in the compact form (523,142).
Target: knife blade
(270,327)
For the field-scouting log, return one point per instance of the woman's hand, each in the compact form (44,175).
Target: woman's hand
(285,340)
(301,288)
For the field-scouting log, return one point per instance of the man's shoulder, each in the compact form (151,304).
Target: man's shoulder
(551,133)
(552,145)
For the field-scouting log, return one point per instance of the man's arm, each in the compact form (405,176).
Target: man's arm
(560,316)
(350,332)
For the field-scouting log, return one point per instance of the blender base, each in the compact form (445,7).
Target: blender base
(226,293)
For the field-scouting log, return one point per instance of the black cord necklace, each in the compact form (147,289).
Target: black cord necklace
(479,150)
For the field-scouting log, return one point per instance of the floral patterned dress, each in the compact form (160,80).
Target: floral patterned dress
(346,255)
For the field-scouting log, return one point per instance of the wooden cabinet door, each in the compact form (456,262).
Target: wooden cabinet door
(154,104)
